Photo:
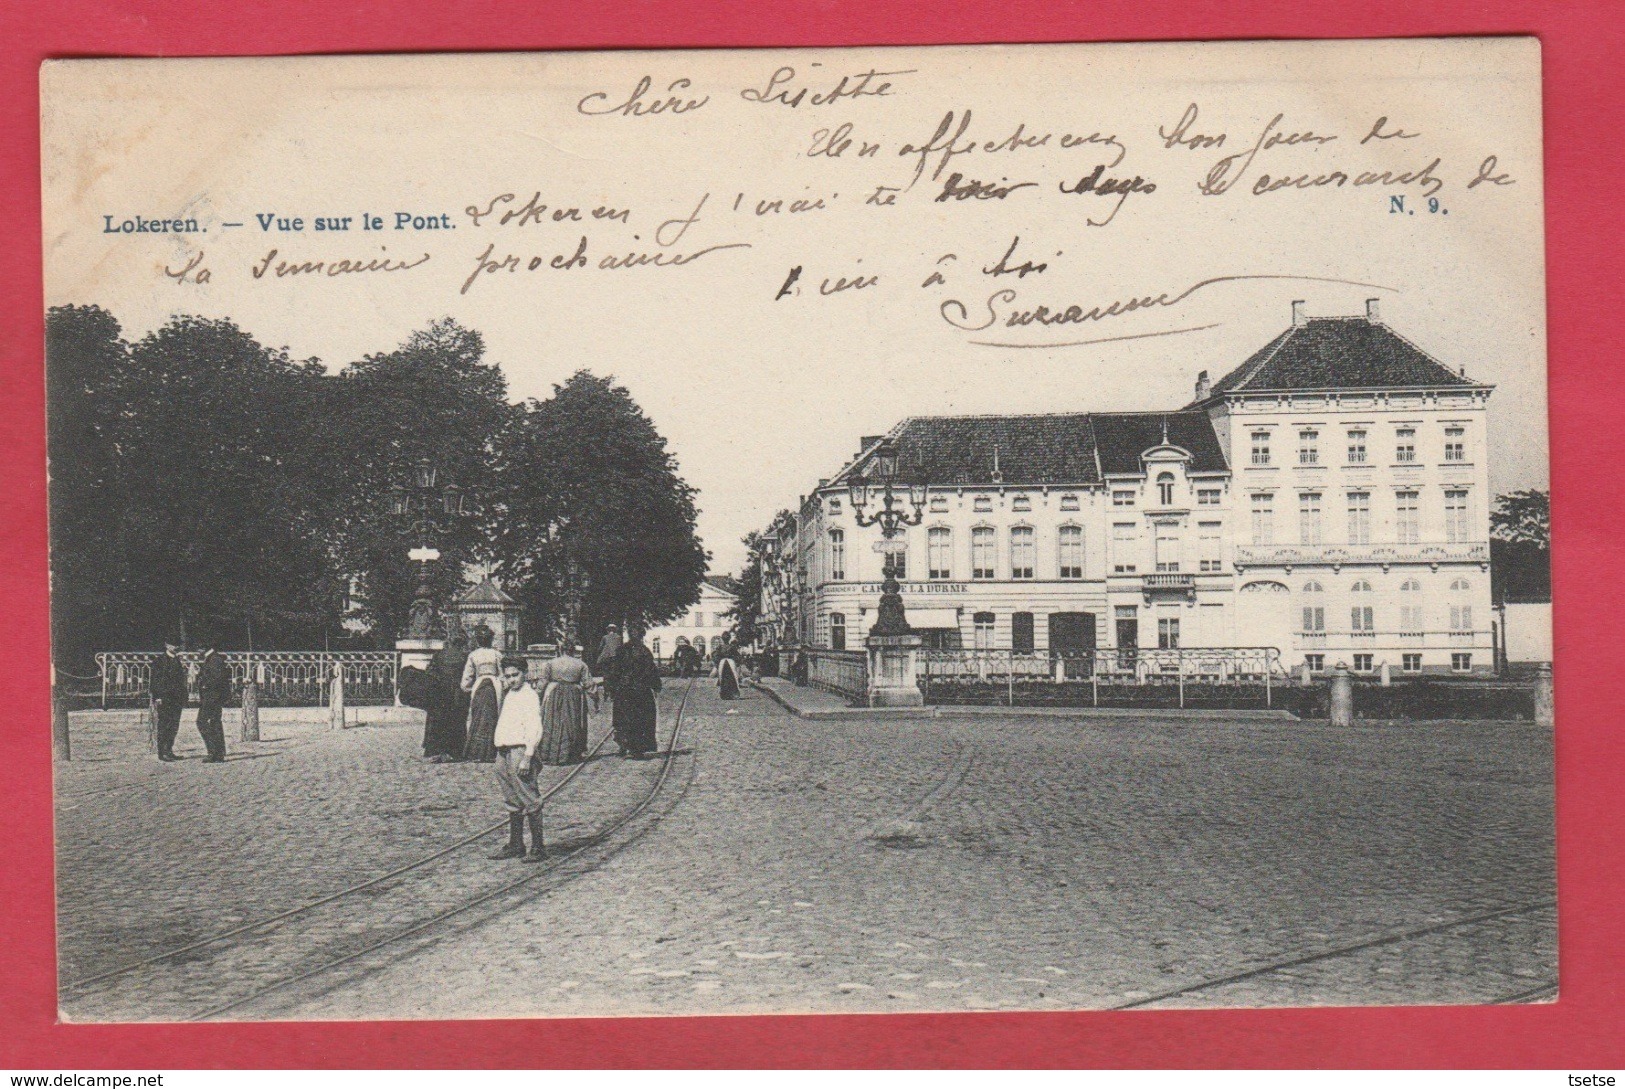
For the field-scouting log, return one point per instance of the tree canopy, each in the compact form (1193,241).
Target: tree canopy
(206,486)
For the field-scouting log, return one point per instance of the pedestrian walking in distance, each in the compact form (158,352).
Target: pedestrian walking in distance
(633,681)
(518,733)
(167,686)
(565,682)
(445,725)
(728,670)
(214,691)
(608,647)
(482,679)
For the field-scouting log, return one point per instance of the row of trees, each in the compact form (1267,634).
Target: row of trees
(204,484)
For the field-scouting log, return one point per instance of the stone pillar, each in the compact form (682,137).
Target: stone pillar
(1387,675)
(892,663)
(61,742)
(1341,703)
(1305,676)
(1545,707)
(335,700)
(251,711)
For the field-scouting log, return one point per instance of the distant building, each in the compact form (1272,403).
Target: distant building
(487,603)
(704,623)
(1328,498)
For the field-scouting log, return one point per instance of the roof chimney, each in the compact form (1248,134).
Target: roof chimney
(1371,311)
(1202,386)
(1298,316)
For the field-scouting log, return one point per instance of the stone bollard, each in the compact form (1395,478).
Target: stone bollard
(1387,676)
(251,711)
(1342,697)
(1545,707)
(61,742)
(152,727)
(335,700)
(1305,676)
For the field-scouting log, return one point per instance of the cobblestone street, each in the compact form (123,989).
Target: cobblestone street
(854,864)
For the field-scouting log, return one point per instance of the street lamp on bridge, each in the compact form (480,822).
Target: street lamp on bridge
(428,510)
(893,645)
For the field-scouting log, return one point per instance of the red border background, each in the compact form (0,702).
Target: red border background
(1583,50)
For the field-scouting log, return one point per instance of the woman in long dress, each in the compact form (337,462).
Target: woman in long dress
(728,671)
(565,683)
(482,680)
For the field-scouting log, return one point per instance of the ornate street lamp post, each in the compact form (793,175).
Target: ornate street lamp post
(893,645)
(427,510)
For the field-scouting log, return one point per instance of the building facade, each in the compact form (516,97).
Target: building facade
(1328,498)
(705,623)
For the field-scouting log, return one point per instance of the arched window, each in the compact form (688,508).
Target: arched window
(1410,608)
(1461,607)
(837,555)
(1071,546)
(982,549)
(1022,552)
(983,627)
(1314,609)
(1165,489)
(1362,619)
(939,553)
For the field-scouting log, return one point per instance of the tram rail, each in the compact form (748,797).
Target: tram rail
(236,937)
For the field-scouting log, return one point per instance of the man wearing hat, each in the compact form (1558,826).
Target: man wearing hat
(167,684)
(213,693)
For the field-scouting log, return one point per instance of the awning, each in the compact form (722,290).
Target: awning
(931,618)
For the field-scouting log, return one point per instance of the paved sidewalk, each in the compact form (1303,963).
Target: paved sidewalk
(817,704)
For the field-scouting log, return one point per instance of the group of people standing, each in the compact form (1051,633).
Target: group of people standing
(167,687)
(495,712)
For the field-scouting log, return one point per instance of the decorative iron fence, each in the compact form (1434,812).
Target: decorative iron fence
(284,678)
(842,671)
(1220,676)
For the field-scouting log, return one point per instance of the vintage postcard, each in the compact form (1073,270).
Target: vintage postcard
(850,530)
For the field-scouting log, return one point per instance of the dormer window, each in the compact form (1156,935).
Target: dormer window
(1165,489)
(835,506)
(1123,498)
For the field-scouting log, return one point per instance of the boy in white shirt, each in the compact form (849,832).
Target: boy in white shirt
(519,731)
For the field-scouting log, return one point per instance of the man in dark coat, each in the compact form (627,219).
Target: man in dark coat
(167,686)
(633,681)
(214,690)
(445,729)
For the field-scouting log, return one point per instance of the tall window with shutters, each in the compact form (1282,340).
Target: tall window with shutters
(1309,518)
(1362,615)
(1359,517)
(1411,620)
(1461,607)
(1457,525)
(1407,516)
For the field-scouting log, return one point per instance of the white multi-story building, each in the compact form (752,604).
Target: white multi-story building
(1327,498)
(705,623)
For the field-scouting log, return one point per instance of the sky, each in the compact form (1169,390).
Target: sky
(763,387)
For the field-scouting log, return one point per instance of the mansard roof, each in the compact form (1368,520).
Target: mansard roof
(1058,449)
(1338,353)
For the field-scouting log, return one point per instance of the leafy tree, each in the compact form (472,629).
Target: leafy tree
(182,496)
(432,399)
(1521,546)
(591,523)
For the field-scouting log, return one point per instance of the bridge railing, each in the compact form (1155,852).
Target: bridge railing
(284,678)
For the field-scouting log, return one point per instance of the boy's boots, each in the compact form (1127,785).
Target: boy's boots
(516,838)
(537,851)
